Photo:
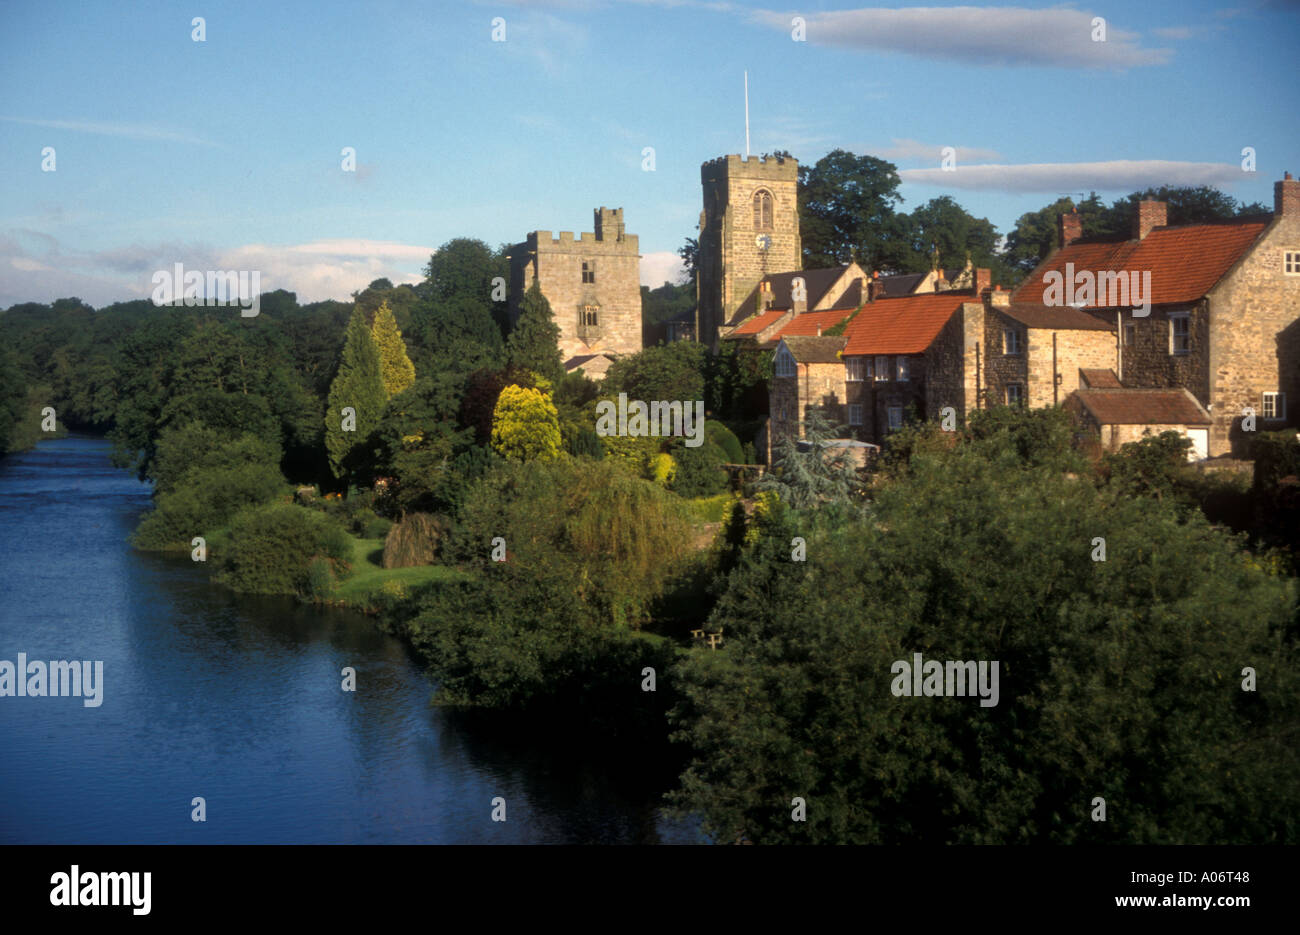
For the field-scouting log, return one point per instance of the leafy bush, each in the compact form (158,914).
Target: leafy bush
(204,499)
(725,439)
(275,549)
(699,470)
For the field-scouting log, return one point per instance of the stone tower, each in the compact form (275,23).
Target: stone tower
(593,283)
(749,229)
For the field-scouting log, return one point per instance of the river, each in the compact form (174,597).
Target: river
(237,700)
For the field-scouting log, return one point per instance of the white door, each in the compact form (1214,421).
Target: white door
(1200,444)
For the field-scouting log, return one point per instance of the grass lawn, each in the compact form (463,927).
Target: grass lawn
(361,588)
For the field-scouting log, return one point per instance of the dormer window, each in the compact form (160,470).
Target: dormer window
(762,210)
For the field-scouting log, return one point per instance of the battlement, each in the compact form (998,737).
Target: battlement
(609,237)
(754,167)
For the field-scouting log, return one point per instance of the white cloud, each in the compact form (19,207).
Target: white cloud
(659,268)
(1054,38)
(900,150)
(323,269)
(1116,175)
(134,131)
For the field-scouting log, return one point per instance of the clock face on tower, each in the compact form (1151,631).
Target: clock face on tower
(763,241)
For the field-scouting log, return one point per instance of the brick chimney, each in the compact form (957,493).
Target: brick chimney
(1286,197)
(1070,228)
(875,288)
(764,296)
(1150,214)
(983,279)
(799,305)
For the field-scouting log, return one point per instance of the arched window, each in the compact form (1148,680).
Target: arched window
(762,210)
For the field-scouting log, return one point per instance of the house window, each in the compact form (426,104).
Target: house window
(1180,333)
(588,271)
(784,362)
(895,417)
(589,315)
(762,210)
(1130,334)
(882,368)
(904,369)
(1015,394)
(854,369)
(1291,262)
(1274,406)
(855,414)
(1010,341)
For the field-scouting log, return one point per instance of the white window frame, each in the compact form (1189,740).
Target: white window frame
(882,368)
(1291,262)
(1011,342)
(1278,400)
(904,369)
(785,363)
(854,369)
(1130,333)
(855,414)
(894,423)
(1173,333)
(1020,394)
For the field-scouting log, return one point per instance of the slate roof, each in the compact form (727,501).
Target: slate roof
(1185,262)
(1134,406)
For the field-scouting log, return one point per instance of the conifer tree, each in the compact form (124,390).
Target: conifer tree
(358,385)
(395,366)
(534,342)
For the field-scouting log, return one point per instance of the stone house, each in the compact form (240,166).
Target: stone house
(1034,353)
(1213,308)
(592,282)
(1116,416)
(807,372)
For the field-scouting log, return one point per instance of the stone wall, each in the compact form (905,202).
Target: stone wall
(557,263)
(1254,326)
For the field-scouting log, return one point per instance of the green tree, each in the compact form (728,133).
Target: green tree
(816,476)
(525,425)
(359,386)
(667,372)
(1119,679)
(847,213)
(534,342)
(395,367)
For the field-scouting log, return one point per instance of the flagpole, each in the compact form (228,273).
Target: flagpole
(746,114)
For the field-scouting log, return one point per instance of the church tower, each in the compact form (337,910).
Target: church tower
(749,229)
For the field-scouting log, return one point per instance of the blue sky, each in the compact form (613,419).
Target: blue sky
(226,153)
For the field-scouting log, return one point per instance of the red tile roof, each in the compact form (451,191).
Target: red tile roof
(1143,407)
(905,325)
(809,322)
(757,323)
(1185,262)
